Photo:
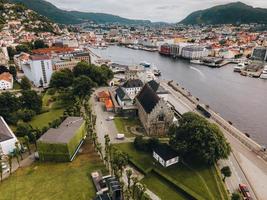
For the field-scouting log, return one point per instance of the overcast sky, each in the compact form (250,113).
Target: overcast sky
(154,10)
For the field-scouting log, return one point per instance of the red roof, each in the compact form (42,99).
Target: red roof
(109,104)
(39,57)
(103,94)
(6,76)
(53,50)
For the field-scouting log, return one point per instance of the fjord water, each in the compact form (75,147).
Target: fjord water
(241,100)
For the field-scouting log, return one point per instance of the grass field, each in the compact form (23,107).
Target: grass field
(44,119)
(203,180)
(45,181)
(123,125)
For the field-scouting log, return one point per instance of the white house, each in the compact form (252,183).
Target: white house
(38,70)
(7,138)
(165,155)
(133,87)
(6,81)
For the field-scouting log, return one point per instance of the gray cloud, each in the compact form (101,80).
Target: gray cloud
(155,10)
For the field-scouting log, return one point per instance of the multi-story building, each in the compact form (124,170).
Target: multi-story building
(64,64)
(38,69)
(259,53)
(6,81)
(194,52)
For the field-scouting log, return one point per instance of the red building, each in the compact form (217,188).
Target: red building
(165,49)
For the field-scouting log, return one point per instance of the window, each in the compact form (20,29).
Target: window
(161,117)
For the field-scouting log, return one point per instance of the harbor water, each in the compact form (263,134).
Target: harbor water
(241,100)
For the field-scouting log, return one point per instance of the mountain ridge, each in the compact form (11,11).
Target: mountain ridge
(60,16)
(231,13)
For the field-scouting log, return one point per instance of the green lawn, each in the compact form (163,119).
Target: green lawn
(16,86)
(162,188)
(123,125)
(57,181)
(202,180)
(44,119)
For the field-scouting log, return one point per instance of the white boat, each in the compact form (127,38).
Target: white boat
(239,67)
(196,62)
(264,73)
(145,64)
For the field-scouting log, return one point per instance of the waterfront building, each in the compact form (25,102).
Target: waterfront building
(135,72)
(38,69)
(259,53)
(154,113)
(6,81)
(175,50)
(193,52)
(165,49)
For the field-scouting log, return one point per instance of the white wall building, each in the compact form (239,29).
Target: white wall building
(165,155)
(6,81)
(7,138)
(38,70)
(194,52)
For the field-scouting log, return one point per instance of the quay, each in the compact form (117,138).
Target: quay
(248,159)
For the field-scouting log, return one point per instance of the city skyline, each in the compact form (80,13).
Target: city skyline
(166,11)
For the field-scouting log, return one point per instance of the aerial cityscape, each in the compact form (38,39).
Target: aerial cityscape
(133,100)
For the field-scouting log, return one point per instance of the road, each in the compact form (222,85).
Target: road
(247,166)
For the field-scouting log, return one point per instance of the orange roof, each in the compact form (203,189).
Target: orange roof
(53,50)
(103,94)
(109,104)
(6,76)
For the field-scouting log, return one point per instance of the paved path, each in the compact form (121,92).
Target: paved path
(247,166)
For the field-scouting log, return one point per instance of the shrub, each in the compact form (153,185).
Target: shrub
(146,145)
(23,129)
(26,115)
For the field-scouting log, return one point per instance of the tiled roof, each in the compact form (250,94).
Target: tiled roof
(148,98)
(6,76)
(39,57)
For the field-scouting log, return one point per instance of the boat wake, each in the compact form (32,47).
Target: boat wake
(199,71)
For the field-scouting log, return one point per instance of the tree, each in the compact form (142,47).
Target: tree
(3,69)
(13,71)
(27,143)
(141,189)
(135,182)
(1,171)
(129,173)
(99,149)
(61,79)
(198,139)
(18,150)
(82,68)
(226,171)
(236,196)
(26,115)
(31,100)
(39,44)
(10,163)
(23,129)
(11,52)
(9,103)
(82,86)
(120,160)
(25,83)
(23,48)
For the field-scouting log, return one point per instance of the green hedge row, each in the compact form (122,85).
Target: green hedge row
(141,169)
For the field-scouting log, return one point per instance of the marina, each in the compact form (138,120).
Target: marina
(226,92)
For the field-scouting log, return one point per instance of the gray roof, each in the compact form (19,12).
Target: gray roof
(133,83)
(64,133)
(122,94)
(157,87)
(5,134)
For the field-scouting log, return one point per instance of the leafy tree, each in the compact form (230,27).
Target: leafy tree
(135,182)
(26,141)
(226,171)
(199,139)
(39,44)
(129,173)
(82,86)
(23,48)
(9,103)
(13,71)
(26,115)
(23,129)
(10,163)
(11,52)
(120,160)
(61,79)
(31,100)
(25,83)
(82,68)
(3,69)
(236,196)
(18,150)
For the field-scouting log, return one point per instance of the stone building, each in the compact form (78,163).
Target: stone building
(154,112)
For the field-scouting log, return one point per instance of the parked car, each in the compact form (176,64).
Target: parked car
(245,192)
(120,136)
(110,118)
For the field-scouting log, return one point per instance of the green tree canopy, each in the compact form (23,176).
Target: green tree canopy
(39,44)
(8,104)
(61,79)
(82,86)
(31,100)
(13,71)
(199,139)
(25,83)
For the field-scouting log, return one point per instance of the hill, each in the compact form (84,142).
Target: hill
(232,13)
(17,18)
(74,17)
